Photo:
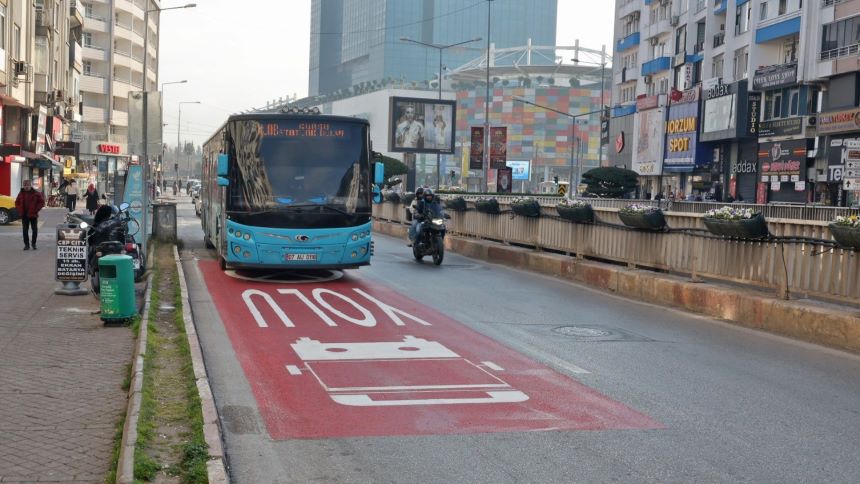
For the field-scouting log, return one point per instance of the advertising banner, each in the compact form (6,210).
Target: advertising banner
(775,76)
(753,111)
(649,127)
(134,197)
(41,129)
(781,127)
(71,254)
(421,125)
(839,121)
(476,151)
(521,169)
(498,147)
(682,133)
(504,180)
(783,161)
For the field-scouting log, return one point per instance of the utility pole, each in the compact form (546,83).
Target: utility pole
(486,158)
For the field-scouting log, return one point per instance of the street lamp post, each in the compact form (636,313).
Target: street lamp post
(163,125)
(573,117)
(440,48)
(179,128)
(485,161)
(602,65)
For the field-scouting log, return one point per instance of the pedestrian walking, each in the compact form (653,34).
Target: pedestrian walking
(28,203)
(92,196)
(71,195)
(175,187)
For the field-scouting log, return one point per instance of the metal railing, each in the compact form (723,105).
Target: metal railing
(719,39)
(838,52)
(799,258)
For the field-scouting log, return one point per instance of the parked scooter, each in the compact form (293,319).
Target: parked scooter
(112,232)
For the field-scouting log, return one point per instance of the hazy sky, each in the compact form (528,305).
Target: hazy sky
(237,57)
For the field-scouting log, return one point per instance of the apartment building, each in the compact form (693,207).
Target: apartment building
(722,98)
(113,66)
(40,67)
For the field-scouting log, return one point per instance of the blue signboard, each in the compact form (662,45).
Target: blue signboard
(682,126)
(134,197)
(521,169)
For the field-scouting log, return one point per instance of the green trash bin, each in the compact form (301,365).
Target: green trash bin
(116,279)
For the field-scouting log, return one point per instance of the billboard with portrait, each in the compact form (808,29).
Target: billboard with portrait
(649,127)
(421,125)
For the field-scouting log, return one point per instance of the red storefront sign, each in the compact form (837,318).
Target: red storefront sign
(108,148)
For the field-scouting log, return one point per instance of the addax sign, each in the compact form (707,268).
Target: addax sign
(347,358)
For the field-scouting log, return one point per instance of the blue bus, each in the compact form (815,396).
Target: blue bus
(289,190)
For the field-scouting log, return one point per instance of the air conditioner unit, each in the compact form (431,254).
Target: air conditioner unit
(654,40)
(675,20)
(811,121)
(646,79)
(22,68)
(58,95)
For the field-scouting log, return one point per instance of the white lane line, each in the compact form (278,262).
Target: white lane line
(294,370)
(492,366)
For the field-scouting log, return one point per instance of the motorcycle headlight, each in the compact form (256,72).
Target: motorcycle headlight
(438,221)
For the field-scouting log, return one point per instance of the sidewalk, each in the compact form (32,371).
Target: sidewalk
(61,370)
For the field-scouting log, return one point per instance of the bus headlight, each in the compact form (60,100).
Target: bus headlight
(247,236)
(354,237)
(239,233)
(363,250)
(246,254)
(237,250)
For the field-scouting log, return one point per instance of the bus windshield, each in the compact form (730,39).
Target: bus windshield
(300,166)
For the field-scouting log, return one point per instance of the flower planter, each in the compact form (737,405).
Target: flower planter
(847,237)
(526,208)
(456,204)
(580,215)
(392,197)
(490,206)
(748,228)
(644,220)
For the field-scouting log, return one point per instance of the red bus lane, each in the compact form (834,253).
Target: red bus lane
(347,358)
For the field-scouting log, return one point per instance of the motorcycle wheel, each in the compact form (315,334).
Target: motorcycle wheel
(416,252)
(94,281)
(439,253)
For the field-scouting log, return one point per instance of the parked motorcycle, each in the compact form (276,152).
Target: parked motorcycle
(430,237)
(112,232)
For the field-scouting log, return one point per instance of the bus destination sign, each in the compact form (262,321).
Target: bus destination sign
(303,130)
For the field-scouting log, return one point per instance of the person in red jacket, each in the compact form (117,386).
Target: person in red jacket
(29,203)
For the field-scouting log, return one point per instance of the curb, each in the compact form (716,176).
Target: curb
(125,463)
(216,466)
(827,325)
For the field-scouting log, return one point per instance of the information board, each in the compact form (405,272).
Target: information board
(71,254)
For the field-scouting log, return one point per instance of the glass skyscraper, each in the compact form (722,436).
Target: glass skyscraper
(355,41)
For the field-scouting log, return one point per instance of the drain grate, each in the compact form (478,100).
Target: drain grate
(597,333)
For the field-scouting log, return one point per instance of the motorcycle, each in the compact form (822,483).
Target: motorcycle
(430,237)
(112,232)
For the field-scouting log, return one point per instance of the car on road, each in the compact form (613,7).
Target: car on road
(8,212)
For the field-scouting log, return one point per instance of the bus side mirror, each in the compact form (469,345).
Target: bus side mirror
(378,173)
(377,194)
(223,182)
(222,166)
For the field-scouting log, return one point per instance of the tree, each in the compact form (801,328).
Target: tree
(609,181)
(393,167)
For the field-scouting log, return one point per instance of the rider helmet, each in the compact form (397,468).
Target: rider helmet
(428,195)
(419,192)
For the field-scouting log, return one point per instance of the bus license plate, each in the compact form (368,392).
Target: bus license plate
(301,257)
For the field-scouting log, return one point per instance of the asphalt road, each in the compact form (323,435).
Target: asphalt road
(725,404)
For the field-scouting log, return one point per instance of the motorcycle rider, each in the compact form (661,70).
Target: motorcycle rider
(413,209)
(426,205)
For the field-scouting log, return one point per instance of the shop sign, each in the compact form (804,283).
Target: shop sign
(108,148)
(839,121)
(41,129)
(71,254)
(753,111)
(775,76)
(719,90)
(781,127)
(681,135)
(783,161)
(743,167)
(648,144)
(647,102)
(688,96)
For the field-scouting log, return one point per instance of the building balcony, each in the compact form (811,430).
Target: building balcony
(94,115)
(124,59)
(631,40)
(719,39)
(658,28)
(122,88)
(659,64)
(94,23)
(76,14)
(628,7)
(93,53)
(129,7)
(778,28)
(91,82)
(119,118)
(720,7)
(76,56)
(845,51)
(626,74)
